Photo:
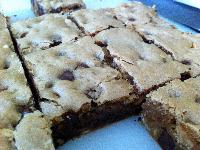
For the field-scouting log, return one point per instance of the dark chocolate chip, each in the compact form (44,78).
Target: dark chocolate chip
(23,34)
(6,65)
(186,62)
(94,93)
(185,76)
(56,39)
(3,88)
(131,19)
(197,99)
(67,75)
(55,43)
(49,85)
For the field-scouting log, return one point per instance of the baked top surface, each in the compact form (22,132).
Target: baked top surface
(73,74)
(134,13)
(93,21)
(14,90)
(148,65)
(183,47)
(44,32)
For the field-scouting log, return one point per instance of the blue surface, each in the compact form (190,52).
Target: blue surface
(124,135)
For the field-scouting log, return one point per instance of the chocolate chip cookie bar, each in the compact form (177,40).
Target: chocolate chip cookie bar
(144,64)
(94,21)
(44,32)
(183,47)
(42,7)
(171,113)
(77,88)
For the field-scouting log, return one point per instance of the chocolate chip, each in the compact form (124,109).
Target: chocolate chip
(49,85)
(197,99)
(3,88)
(94,93)
(131,19)
(56,39)
(186,62)
(23,34)
(185,76)
(67,75)
(6,65)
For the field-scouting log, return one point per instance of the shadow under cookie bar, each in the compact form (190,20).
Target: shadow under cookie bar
(171,114)
(41,7)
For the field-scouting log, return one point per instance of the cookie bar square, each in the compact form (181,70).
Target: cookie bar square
(171,114)
(94,21)
(42,7)
(14,90)
(183,47)
(44,32)
(144,64)
(77,88)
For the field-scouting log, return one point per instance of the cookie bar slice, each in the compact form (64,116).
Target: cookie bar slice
(172,114)
(94,21)
(144,64)
(44,32)
(15,94)
(182,46)
(78,92)
(33,132)
(42,7)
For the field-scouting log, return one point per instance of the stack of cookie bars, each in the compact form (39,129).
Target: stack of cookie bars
(67,72)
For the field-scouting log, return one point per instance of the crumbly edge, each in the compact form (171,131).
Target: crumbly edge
(38,10)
